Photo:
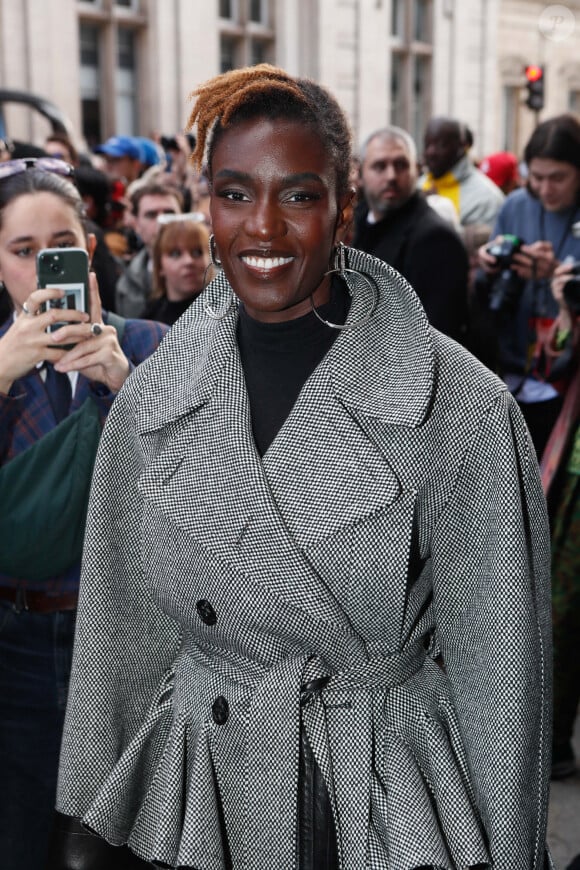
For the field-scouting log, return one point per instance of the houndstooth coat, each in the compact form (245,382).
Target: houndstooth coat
(398,507)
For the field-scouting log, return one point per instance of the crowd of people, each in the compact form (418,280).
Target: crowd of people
(314,621)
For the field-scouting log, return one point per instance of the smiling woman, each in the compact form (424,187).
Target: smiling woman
(315,620)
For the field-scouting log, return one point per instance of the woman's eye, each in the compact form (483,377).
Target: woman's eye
(24,252)
(175,254)
(196,252)
(302,196)
(234,195)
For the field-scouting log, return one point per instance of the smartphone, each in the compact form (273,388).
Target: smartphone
(67,269)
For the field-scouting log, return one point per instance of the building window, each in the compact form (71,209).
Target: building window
(511,102)
(258,11)
(422,21)
(247,37)
(411,63)
(398,18)
(259,52)
(90,83)
(397,91)
(421,96)
(229,10)
(126,82)
(228,53)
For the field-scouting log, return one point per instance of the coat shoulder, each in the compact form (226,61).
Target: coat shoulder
(461,378)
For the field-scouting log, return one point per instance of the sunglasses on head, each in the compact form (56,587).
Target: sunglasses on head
(196,217)
(45,164)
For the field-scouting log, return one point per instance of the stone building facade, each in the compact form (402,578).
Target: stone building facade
(127,66)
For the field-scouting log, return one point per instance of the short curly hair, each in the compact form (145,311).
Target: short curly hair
(266,91)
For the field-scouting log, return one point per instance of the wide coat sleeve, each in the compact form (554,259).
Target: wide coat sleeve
(491,570)
(124,642)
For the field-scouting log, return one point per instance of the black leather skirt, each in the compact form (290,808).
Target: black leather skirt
(317,849)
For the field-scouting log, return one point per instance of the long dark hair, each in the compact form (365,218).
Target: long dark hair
(557,138)
(36,181)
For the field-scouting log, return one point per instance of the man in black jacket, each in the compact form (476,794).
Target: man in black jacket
(397,225)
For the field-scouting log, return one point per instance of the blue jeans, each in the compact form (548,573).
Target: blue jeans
(35,663)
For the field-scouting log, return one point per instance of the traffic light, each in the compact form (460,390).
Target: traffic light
(535,85)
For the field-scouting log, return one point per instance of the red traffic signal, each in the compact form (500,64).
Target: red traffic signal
(534,73)
(535,85)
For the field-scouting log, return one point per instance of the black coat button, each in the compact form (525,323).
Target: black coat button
(206,612)
(220,710)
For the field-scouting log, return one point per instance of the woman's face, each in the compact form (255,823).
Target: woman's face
(31,222)
(183,267)
(554,182)
(275,216)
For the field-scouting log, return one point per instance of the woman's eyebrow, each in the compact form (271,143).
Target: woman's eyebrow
(20,239)
(295,178)
(61,234)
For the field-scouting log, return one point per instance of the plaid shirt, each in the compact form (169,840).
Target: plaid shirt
(26,415)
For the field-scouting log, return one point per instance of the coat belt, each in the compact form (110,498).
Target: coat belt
(290,688)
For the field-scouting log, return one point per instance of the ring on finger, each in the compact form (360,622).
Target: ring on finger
(96,328)
(27,310)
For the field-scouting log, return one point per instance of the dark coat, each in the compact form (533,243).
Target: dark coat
(428,252)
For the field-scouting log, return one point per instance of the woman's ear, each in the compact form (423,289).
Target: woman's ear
(91,245)
(345,215)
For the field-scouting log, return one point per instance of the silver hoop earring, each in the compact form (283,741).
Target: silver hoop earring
(340,269)
(219,315)
(213,253)
(217,264)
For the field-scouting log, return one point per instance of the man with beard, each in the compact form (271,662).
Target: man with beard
(397,225)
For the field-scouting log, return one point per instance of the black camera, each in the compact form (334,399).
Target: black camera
(572,289)
(507,286)
(504,248)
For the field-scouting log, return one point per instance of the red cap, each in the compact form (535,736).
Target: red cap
(501,167)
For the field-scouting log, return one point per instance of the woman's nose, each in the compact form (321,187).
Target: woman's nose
(266,221)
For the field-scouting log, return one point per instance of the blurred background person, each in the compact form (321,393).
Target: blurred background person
(123,158)
(533,233)
(48,395)
(181,266)
(451,173)
(561,480)
(95,190)
(59,145)
(502,168)
(395,223)
(148,202)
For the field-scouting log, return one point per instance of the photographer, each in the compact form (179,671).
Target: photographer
(561,482)
(533,233)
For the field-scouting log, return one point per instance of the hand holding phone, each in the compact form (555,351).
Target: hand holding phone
(66,269)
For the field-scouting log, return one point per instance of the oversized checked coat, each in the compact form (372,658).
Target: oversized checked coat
(228,598)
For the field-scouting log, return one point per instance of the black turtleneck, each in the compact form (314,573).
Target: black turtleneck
(278,358)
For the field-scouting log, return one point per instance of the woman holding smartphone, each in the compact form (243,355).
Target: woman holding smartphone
(46,392)
(314,614)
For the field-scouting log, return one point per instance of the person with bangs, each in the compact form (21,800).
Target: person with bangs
(315,622)
(181,265)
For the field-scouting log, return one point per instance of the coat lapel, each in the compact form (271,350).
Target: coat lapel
(322,472)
